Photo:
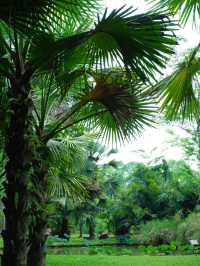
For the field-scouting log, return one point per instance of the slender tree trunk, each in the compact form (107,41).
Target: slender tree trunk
(37,252)
(18,172)
(91,229)
(38,234)
(80,230)
(65,228)
(198,141)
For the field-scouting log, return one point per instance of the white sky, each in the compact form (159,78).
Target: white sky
(154,140)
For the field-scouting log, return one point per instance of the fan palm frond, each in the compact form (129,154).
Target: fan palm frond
(67,158)
(117,108)
(179,90)
(113,104)
(29,15)
(61,184)
(140,42)
(69,152)
(184,8)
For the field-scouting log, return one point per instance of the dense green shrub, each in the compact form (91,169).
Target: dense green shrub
(189,228)
(157,232)
(126,251)
(93,251)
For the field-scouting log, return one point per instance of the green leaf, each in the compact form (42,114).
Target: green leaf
(184,8)
(179,91)
(117,108)
(141,43)
(28,16)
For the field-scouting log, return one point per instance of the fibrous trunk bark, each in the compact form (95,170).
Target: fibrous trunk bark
(37,252)
(38,233)
(18,172)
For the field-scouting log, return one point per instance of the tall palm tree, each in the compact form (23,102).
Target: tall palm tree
(38,37)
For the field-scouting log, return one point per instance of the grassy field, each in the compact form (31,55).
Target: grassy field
(123,261)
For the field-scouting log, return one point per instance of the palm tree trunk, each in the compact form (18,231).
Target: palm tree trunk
(38,235)
(64,228)
(81,230)
(198,142)
(18,172)
(37,252)
(91,229)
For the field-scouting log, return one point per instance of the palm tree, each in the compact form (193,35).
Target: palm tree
(61,218)
(45,41)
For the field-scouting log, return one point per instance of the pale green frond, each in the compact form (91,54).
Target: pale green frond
(179,91)
(184,8)
(69,152)
(63,184)
(67,159)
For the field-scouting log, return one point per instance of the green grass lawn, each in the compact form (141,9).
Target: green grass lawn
(123,261)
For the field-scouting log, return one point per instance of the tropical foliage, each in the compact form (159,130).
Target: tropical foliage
(186,10)
(67,68)
(138,195)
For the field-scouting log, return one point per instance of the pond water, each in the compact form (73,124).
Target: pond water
(123,249)
(104,250)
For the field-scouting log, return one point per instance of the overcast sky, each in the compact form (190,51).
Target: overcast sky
(154,141)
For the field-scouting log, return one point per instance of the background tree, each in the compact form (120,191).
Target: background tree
(152,192)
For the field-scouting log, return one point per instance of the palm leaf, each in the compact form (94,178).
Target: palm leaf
(111,103)
(184,8)
(178,91)
(67,158)
(30,15)
(65,185)
(69,152)
(139,42)
(116,107)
